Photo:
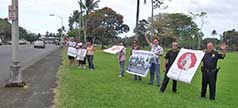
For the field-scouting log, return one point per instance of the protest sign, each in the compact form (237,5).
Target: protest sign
(114,49)
(140,62)
(185,65)
(72,52)
(81,54)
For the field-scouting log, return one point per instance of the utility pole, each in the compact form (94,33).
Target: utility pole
(15,75)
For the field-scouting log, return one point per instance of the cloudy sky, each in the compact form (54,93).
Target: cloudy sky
(34,14)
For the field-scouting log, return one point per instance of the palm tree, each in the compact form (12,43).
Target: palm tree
(87,6)
(154,4)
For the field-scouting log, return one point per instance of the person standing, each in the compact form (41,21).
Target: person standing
(122,59)
(155,66)
(210,70)
(168,62)
(82,63)
(135,46)
(90,55)
(71,44)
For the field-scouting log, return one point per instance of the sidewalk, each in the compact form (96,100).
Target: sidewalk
(40,79)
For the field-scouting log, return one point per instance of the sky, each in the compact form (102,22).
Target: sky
(34,14)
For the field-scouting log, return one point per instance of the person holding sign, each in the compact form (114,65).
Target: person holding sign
(210,70)
(122,59)
(135,46)
(155,66)
(82,63)
(168,62)
(90,55)
(71,44)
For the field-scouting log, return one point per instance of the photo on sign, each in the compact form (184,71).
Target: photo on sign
(81,54)
(139,63)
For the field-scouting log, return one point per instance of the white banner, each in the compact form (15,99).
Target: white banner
(72,52)
(140,62)
(81,54)
(114,49)
(185,65)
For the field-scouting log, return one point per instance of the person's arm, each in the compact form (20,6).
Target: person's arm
(147,39)
(165,62)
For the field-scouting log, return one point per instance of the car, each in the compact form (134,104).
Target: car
(39,44)
(0,41)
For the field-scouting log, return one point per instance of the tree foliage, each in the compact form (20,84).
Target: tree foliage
(230,37)
(105,24)
(178,26)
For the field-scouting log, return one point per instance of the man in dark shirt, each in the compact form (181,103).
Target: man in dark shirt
(209,69)
(168,62)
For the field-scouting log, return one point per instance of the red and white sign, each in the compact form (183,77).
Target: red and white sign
(185,65)
(12,13)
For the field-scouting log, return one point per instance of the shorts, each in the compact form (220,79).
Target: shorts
(71,58)
(83,62)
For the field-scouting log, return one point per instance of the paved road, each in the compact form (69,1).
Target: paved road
(41,81)
(26,54)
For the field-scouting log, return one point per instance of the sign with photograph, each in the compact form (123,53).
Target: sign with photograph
(81,54)
(72,52)
(114,49)
(140,62)
(185,65)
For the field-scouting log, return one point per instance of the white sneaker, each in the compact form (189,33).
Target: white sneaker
(120,76)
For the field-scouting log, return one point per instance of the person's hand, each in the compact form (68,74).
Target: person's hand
(146,33)
(223,46)
(164,70)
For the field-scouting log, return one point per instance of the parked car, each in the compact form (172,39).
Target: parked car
(39,44)
(0,41)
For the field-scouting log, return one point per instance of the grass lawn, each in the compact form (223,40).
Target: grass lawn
(103,88)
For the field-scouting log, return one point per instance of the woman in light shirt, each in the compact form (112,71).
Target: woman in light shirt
(90,55)
(122,59)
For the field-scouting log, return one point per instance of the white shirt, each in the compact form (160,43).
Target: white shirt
(157,49)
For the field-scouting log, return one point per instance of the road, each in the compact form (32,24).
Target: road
(26,54)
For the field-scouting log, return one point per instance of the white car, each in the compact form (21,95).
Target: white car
(39,44)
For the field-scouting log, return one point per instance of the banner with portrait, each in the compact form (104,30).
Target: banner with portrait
(140,62)
(185,65)
(81,54)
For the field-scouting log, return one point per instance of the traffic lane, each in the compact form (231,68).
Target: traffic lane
(26,54)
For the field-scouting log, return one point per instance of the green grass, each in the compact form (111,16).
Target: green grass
(103,88)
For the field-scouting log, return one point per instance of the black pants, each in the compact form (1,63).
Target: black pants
(165,83)
(209,78)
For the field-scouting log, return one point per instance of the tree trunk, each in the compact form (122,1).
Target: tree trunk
(137,16)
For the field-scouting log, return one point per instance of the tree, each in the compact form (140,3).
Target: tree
(5,30)
(154,5)
(178,26)
(206,40)
(31,37)
(201,17)
(230,37)
(88,6)
(105,24)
